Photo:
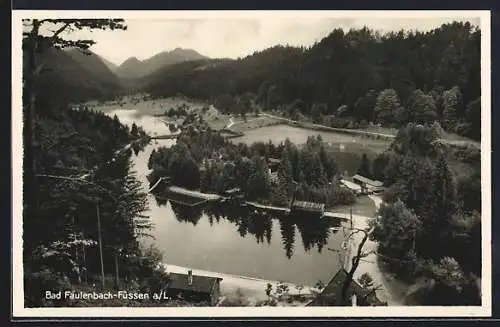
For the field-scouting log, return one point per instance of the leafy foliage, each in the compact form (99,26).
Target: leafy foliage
(431,224)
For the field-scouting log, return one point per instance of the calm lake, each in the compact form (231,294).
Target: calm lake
(231,240)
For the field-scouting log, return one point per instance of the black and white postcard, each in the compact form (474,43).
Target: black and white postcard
(263,163)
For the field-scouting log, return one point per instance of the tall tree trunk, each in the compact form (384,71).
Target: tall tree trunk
(117,274)
(85,276)
(29,99)
(100,243)
(355,263)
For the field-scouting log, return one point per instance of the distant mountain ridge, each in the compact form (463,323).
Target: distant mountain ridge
(75,76)
(108,63)
(133,68)
(95,64)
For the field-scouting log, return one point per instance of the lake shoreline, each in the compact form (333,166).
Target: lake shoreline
(253,289)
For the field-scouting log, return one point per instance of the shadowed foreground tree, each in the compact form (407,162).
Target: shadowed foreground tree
(356,259)
(364,168)
(39,35)
(80,159)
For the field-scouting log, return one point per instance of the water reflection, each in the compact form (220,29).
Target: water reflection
(314,231)
(187,214)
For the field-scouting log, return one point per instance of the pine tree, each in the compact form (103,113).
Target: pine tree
(473,117)
(443,191)
(134,130)
(285,172)
(328,162)
(440,206)
(452,99)
(365,167)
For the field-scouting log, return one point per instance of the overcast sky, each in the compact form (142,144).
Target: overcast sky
(233,38)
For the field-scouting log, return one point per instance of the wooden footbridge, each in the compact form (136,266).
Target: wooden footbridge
(165,137)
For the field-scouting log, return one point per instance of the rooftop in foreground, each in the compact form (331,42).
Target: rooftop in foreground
(201,284)
(308,206)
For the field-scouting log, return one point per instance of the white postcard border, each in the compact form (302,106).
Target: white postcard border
(184,312)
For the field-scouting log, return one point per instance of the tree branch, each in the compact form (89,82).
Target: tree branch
(81,180)
(59,31)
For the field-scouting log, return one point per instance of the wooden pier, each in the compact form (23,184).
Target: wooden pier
(335,215)
(188,204)
(194,194)
(210,197)
(267,208)
(165,137)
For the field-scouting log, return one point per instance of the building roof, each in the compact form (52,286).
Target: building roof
(200,284)
(233,190)
(351,185)
(367,180)
(308,206)
(273,161)
(332,293)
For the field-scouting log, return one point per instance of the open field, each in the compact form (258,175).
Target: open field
(298,135)
(346,149)
(146,107)
(450,138)
(373,131)
(252,123)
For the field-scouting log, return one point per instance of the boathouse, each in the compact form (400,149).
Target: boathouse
(273,164)
(356,188)
(307,207)
(234,193)
(194,288)
(272,169)
(368,185)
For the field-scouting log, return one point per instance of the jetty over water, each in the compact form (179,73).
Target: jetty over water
(335,215)
(267,208)
(194,194)
(165,137)
(299,206)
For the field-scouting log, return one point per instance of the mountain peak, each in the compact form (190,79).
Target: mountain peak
(135,68)
(131,60)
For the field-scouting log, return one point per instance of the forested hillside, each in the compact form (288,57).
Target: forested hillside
(95,64)
(391,79)
(74,76)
